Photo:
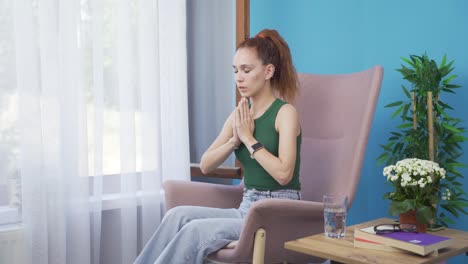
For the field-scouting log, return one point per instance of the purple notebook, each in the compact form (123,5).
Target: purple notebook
(423,239)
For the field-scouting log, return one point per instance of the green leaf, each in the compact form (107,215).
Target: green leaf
(397,207)
(460,190)
(445,105)
(444,59)
(408,119)
(394,104)
(382,159)
(441,111)
(387,147)
(456,165)
(451,128)
(447,220)
(453,86)
(408,61)
(406,125)
(424,214)
(407,93)
(385,154)
(461,210)
(449,79)
(448,91)
(405,111)
(449,209)
(397,111)
(459,204)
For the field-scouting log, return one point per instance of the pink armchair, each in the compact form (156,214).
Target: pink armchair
(336,114)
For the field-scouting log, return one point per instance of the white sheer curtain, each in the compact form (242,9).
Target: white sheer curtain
(101,89)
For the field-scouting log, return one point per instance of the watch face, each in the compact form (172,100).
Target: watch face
(257,146)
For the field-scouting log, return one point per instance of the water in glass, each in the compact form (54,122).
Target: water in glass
(335,222)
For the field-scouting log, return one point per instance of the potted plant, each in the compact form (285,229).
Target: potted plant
(417,187)
(428,132)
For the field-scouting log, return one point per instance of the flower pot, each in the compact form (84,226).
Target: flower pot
(410,218)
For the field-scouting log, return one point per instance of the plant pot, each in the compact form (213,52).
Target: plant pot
(410,218)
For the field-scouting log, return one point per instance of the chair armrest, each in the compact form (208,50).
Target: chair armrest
(288,208)
(202,194)
(283,220)
(223,172)
(286,213)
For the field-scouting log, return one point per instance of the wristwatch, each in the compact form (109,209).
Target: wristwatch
(254,148)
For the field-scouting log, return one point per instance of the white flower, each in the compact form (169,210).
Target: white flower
(422,182)
(447,194)
(414,172)
(406,177)
(442,173)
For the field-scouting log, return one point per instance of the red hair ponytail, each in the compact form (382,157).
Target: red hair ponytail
(272,48)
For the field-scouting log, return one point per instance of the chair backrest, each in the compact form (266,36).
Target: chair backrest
(336,113)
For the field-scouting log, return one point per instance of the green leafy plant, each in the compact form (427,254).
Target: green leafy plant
(424,106)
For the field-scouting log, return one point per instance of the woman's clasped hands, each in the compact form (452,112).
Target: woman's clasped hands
(243,123)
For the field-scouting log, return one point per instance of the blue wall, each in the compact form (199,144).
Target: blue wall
(333,36)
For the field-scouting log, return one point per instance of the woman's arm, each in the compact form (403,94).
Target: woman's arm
(281,168)
(221,148)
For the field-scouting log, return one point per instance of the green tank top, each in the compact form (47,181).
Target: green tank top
(255,176)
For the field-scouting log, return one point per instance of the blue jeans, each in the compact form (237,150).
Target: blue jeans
(187,234)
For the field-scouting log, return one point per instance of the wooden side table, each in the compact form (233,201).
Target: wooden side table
(342,250)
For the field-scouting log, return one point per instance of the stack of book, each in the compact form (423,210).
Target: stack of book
(419,243)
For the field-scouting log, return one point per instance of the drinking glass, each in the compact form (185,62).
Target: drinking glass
(334,214)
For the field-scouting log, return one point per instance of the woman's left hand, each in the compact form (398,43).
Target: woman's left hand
(245,124)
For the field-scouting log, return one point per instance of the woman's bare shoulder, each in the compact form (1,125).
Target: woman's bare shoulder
(287,117)
(288,111)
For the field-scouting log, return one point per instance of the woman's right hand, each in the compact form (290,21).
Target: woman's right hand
(244,122)
(235,140)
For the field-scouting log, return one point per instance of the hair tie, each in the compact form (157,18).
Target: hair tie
(261,35)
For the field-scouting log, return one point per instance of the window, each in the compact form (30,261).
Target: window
(10,181)
(106,101)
